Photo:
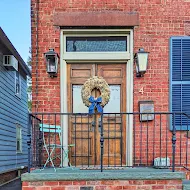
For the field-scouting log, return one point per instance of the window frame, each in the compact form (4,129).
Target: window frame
(94,40)
(19,127)
(19,81)
(104,55)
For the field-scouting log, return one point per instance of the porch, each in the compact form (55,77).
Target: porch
(93,154)
(100,141)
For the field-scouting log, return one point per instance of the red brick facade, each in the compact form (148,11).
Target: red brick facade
(158,21)
(102,185)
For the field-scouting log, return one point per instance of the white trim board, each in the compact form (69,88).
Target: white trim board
(113,57)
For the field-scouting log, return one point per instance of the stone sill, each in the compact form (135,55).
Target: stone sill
(68,174)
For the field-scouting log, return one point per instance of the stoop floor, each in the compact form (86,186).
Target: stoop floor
(48,174)
(186,184)
(125,178)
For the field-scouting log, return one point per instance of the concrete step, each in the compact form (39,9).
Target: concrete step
(186,184)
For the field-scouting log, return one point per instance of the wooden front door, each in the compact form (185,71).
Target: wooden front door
(84,130)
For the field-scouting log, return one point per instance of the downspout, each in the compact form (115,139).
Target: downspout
(37,52)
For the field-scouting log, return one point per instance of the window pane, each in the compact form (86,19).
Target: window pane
(96,44)
(17,75)
(17,85)
(18,138)
(17,132)
(78,106)
(113,105)
(18,145)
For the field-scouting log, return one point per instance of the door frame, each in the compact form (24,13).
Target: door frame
(118,57)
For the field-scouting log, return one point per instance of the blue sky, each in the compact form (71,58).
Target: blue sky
(15,21)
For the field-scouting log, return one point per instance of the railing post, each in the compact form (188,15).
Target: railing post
(101,143)
(29,140)
(40,143)
(173,143)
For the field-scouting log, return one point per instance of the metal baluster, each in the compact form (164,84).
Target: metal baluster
(134,137)
(101,143)
(40,147)
(141,140)
(180,138)
(173,143)
(115,143)
(147,142)
(49,138)
(75,138)
(160,137)
(95,139)
(29,140)
(82,153)
(121,139)
(187,142)
(166,139)
(55,138)
(88,142)
(42,138)
(36,141)
(154,129)
(108,140)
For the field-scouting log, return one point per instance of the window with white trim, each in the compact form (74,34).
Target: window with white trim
(17,84)
(18,138)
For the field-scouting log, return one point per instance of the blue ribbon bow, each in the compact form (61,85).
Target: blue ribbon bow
(95,103)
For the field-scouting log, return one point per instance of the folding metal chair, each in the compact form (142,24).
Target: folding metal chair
(51,147)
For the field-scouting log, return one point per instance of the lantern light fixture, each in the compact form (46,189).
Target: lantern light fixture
(141,61)
(51,58)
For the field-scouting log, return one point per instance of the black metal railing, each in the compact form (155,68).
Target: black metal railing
(100,141)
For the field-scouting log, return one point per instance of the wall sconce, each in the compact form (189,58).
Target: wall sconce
(141,61)
(51,58)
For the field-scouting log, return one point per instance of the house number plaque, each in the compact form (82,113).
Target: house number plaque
(146,107)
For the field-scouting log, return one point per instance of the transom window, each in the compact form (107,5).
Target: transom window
(96,44)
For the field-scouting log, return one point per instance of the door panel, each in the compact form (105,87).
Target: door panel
(82,135)
(114,124)
(84,130)
(81,130)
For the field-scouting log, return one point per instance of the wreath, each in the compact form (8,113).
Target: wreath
(89,101)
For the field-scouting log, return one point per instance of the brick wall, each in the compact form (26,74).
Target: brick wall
(103,185)
(159,20)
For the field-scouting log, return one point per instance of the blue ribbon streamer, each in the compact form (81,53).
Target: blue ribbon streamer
(95,103)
